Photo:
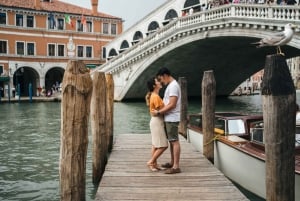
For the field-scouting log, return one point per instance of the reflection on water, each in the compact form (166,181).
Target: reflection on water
(30,139)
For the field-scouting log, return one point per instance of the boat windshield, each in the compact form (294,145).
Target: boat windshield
(257,134)
(236,126)
(297,138)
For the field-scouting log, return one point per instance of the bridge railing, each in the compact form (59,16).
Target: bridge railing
(250,12)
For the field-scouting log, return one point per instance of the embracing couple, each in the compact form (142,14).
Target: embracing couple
(165,117)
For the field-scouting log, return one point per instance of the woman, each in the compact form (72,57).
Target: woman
(159,139)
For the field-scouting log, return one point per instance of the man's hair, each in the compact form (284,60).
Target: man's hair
(163,71)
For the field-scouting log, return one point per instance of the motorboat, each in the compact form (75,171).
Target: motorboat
(239,150)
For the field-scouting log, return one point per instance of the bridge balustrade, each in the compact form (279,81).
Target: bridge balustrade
(264,16)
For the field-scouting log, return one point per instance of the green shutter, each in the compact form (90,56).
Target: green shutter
(4,79)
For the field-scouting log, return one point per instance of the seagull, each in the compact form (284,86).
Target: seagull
(278,39)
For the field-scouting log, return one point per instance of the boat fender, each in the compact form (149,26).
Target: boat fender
(219,131)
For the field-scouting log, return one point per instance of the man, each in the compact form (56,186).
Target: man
(171,112)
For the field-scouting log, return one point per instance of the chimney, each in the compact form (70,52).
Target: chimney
(94,7)
(37,4)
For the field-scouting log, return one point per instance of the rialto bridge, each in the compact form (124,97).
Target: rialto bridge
(217,39)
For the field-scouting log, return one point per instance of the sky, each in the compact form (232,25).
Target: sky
(130,11)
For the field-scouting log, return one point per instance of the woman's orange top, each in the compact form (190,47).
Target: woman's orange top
(156,102)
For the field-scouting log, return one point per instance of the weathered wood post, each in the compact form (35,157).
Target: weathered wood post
(208,113)
(184,105)
(279,113)
(75,107)
(98,121)
(110,110)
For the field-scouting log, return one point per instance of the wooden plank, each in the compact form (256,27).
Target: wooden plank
(127,177)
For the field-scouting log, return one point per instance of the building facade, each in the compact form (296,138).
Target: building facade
(294,66)
(38,37)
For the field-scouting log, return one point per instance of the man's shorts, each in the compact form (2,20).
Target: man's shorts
(172,131)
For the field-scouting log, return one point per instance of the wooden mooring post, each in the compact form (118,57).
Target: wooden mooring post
(109,110)
(279,110)
(98,121)
(75,108)
(208,113)
(184,106)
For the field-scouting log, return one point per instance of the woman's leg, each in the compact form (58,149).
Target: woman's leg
(152,154)
(158,152)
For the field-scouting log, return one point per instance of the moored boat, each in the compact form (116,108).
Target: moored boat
(239,149)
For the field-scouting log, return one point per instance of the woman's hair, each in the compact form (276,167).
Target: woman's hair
(150,85)
(147,98)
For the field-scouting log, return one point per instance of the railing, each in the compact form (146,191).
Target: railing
(263,15)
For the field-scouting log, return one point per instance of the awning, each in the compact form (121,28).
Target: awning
(91,65)
(4,79)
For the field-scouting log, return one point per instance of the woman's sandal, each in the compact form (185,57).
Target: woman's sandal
(157,166)
(152,167)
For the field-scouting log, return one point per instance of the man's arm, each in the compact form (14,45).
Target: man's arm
(171,105)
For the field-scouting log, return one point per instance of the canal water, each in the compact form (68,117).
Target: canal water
(30,140)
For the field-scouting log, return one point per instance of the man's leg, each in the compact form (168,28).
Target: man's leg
(172,133)
(176,153)
(172,153)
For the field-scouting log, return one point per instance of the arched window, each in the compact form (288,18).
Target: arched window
(153,26)
(112,53)
(171,14)
(189,5)
(137,37)
(124,46)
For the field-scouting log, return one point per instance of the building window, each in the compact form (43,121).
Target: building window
(1,71)
(89,51)
(105,28)
(30,48)
(113,29)
(61,24)
(2,18)
(3,47)
(51,23)
(79,51)
(89,26)
(30,21)
(104,52)
(51,50)
(79,25)
(20,48)
(19,20)
(61,50)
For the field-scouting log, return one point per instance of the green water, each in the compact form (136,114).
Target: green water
(30,139)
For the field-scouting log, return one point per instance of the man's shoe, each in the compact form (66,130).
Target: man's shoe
(167,165)
(172,171)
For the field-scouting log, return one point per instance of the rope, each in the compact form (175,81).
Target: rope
(213,139)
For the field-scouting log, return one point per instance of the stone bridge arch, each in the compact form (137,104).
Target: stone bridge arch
(219,40)
(199,54)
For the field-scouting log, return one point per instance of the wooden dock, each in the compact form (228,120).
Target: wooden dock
(127,177)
